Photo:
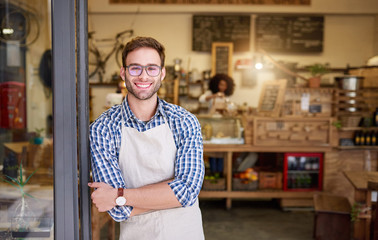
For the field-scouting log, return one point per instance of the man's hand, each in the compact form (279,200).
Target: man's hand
(104,196)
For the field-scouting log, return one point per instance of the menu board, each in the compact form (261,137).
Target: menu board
(222,58)
(289,34)
(215,28)
(271,98)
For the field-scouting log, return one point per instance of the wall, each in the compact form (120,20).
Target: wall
(350,33)
(39,98)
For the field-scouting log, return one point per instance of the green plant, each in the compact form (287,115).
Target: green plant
(318,69)
(337,124)
(38,132)
(357,209)
(19,182)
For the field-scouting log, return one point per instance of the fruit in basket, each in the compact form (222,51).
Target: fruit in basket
(249,175)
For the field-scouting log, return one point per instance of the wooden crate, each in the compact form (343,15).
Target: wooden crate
(244,185)
(361,102)
(214,184)
(270,180)
(370,75)
(292,131)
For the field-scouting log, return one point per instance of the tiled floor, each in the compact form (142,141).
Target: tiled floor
(248,220)
(252,220)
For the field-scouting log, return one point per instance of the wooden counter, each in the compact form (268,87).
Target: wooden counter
(359,180)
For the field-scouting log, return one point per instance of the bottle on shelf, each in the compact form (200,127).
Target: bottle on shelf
(367,138)
(362,138)
(373,140)
(375,118)
(357,138)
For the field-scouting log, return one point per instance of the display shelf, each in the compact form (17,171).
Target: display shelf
(355,102)
(358,147)
(263,194)
(287,198)
(252,148)
(357,128)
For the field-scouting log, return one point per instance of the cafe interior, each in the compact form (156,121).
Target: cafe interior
(292,153)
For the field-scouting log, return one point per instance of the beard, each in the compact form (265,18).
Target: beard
(142,95)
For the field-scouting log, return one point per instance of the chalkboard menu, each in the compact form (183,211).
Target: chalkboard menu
(222,58)
(290,34)
(215,28)
(271,98)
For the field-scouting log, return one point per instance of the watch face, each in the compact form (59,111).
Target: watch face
(120,201)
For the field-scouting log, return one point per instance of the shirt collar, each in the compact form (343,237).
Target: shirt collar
(127,114)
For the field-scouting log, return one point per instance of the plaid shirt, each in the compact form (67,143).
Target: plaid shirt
(105,142)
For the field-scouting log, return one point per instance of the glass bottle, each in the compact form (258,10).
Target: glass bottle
(367,138)
(373,138)
(375,118)
(362,138)
(357,138)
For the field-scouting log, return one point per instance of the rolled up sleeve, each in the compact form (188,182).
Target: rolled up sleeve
(105,167)
(189,166)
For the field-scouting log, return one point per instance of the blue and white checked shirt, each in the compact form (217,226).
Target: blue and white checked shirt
(105,142)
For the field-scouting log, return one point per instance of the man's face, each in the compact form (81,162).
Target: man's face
(143,87)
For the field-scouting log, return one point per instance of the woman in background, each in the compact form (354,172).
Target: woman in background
(221,86)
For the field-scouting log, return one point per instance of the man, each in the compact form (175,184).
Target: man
(147,155)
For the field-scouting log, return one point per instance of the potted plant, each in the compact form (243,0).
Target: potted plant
(38,139)
(22,211)
(316,70)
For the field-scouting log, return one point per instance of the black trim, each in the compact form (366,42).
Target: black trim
(66,216)
(83,117)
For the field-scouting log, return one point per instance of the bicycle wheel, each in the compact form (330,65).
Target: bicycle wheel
(118,55)
(94,59)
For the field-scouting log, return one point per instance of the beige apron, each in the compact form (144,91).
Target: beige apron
(145,158)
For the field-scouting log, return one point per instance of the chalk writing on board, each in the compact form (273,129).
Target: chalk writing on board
(222,57)
(290,34)
(214,28)
(221,65)
(270,97)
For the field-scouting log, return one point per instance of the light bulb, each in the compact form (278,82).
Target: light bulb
(8,31)
(259,65)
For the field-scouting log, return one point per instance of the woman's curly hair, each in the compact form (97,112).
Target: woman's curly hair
(214,82)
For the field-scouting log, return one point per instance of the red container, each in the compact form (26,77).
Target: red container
(303,172)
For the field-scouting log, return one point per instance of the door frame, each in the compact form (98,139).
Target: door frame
(70,87)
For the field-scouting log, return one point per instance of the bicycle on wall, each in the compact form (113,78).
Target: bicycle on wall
(97,60)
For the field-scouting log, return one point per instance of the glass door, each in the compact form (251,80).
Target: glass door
(41,69)
(26,124)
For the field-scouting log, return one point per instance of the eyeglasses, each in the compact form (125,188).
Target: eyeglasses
(136,70)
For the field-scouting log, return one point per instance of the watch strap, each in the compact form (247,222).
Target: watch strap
(120,192)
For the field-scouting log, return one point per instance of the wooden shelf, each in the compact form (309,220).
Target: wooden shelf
(358,147)
(287,198)
(357,128)
(256,194)
(251,148)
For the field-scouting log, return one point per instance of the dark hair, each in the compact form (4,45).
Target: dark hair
(140,42)
(214,82)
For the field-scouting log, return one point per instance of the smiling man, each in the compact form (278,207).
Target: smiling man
(147,155)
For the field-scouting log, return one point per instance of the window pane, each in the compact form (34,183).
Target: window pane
(26,145)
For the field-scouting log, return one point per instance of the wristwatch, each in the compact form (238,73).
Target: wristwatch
(120,200)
